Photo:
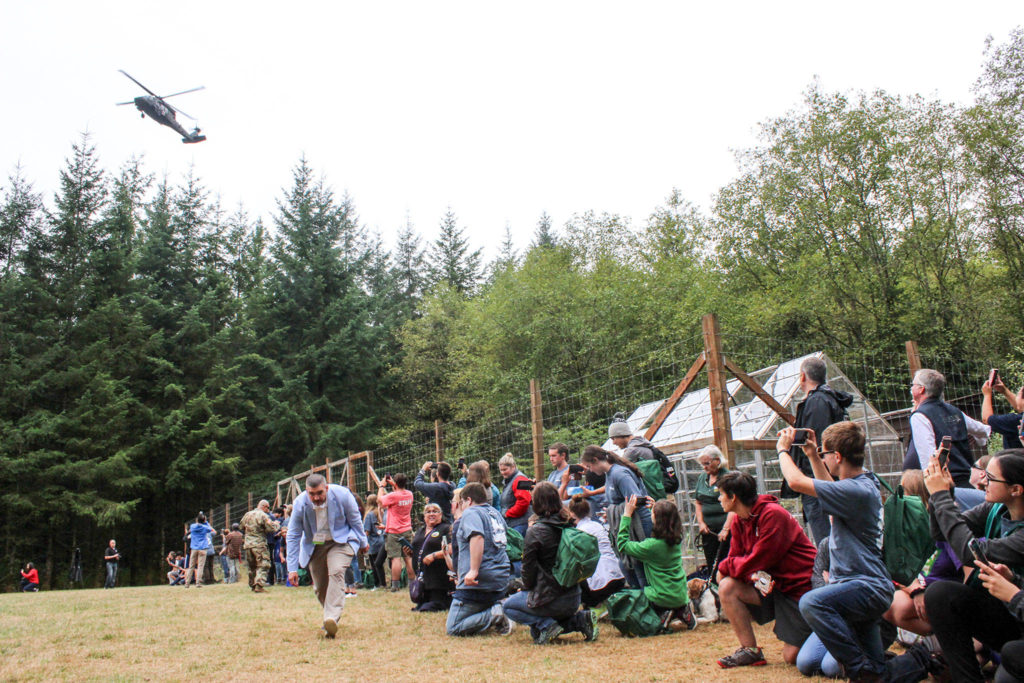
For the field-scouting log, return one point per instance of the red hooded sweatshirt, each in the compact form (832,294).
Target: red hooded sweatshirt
(773,541)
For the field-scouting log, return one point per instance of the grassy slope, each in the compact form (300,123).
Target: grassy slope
(160,633)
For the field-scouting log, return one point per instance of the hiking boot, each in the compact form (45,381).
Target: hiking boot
(258,588)
(505,626)
(547,635)
(589,628)
(330,627)
(745,656)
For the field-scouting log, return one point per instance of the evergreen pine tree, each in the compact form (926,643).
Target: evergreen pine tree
(451,261)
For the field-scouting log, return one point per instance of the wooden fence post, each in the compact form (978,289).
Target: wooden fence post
(438,441)
(250,501)
(369,469)
(227,515)
(719,394)
(913,358)
(537,420)
(327,466)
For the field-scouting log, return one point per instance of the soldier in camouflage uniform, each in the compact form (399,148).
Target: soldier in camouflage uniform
(256,524)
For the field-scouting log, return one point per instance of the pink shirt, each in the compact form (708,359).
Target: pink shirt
(399,507)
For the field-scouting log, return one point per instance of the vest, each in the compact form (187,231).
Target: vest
(948,421)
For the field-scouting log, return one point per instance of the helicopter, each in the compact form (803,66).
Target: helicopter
(162,112)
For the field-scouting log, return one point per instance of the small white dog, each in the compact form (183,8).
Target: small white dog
(705,603)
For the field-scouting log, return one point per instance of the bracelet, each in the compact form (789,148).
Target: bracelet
(782,453)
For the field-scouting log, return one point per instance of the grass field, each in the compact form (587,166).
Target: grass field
(228,633)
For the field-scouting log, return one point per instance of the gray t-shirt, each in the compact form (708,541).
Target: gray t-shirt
(485,521)
(620,484)
(855,545)
(556,476)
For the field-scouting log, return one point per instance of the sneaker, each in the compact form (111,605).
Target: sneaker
(330,627)
(547,635)
(685,615)
(589,629)
(505,626)
(745,656)
(602,613)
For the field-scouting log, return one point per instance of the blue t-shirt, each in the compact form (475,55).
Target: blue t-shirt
(855,545)
(1009,427)
(200,536)
(620,484)
(485,521)
(556,476)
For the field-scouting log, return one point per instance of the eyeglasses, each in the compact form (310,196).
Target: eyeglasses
(991,479)
(822,454)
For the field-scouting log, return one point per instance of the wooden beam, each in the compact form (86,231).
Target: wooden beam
(370,476)
(913,358)
(672,401)
(673,448)
(327,470)
(537,423)
(438,441)
(227,515)
(755,444)
(759,391)
(718,392)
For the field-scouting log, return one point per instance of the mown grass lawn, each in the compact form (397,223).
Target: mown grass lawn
(224,632)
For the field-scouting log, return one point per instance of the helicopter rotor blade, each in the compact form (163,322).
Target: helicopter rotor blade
(121,104)
(138,84)
(202,87)
(188,116)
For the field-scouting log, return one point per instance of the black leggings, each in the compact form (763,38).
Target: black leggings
(378,568)
(590,598)
(958,613)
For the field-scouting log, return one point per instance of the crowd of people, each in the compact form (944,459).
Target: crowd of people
(590,543)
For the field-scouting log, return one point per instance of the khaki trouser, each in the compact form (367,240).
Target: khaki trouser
(258,560)
(196,563)
(327,568)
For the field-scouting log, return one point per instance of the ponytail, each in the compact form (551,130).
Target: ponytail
(596,453)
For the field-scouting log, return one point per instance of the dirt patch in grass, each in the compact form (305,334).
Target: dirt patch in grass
(160,632)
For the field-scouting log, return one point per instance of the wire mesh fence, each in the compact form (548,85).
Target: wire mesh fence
(578,411)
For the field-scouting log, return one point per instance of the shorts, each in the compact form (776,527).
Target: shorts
(790,626)
(393,543)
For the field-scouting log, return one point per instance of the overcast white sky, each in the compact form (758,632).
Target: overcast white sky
(502,111)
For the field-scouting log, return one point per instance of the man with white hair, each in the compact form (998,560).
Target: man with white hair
(256,524)
(324,534)
(932,419)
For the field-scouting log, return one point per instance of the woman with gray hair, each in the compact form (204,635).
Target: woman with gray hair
(428,547)
(712,520)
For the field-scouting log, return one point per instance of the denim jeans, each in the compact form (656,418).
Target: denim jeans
(111,575)
(816,519)
(470,618)
(813,657)
(279,573)
(225,568)
(516,610)
(233,567)
(845,617)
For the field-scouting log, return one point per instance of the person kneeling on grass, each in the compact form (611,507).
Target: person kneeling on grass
(846,613)
(483,567)
(546,606)
(662,558)
(607,578)
(767,544)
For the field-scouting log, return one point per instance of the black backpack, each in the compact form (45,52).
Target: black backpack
(668,472)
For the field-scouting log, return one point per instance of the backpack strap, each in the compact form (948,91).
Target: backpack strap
(994,522)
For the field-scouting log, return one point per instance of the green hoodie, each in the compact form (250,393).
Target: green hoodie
(663,567)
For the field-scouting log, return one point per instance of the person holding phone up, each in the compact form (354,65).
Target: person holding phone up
(961,612)
(1009,424)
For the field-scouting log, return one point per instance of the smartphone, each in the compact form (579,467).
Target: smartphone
(575,469)
(800,437)
(641,502)
(993,376)
(978,548)
(524,485)
(947,441)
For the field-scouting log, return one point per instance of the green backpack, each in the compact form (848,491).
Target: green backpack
(630,611)
(513,544)
(906,535)
(577,557)
(653,478)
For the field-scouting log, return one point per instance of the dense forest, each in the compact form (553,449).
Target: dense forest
(159,353)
